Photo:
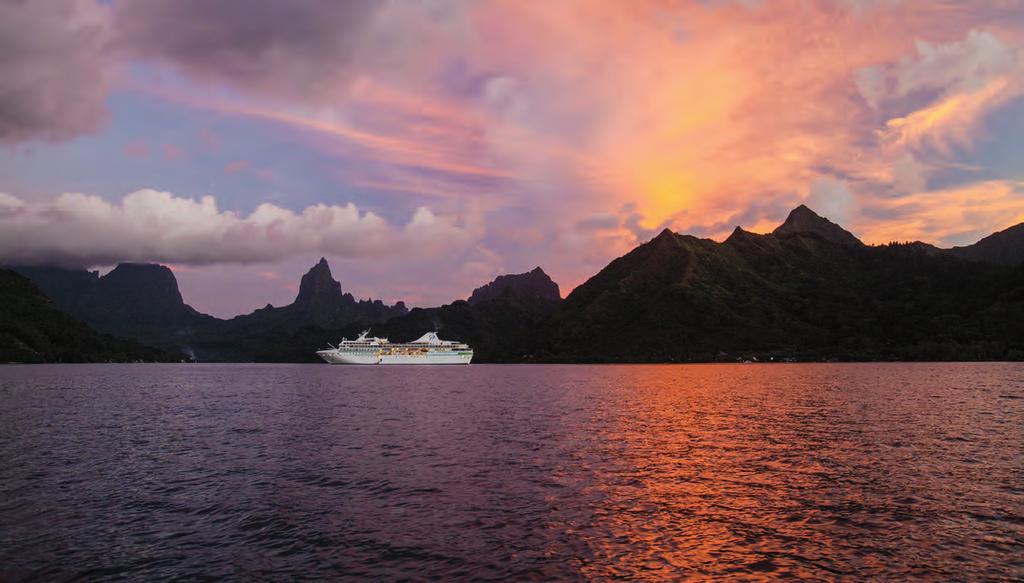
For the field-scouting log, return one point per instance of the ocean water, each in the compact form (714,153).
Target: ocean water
(280,472)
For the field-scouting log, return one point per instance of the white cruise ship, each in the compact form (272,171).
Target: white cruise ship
(427,349)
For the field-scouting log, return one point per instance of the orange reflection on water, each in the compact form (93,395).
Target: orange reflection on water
(772,471)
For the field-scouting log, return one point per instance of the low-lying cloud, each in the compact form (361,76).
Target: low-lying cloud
(82,230)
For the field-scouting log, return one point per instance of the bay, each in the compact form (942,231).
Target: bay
(806,471)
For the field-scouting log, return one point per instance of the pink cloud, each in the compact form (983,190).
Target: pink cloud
(236,167)
(239,166)
(172,153)
(572,130)
(136,149)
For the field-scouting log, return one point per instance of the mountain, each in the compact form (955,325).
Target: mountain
(808,290)
(802,221)
(1006,247)
(268,334)
(142,301)
(534,283)
(135,300)
(34,330)
(320,302)
(497,321)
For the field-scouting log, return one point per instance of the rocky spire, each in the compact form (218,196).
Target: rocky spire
(318,285)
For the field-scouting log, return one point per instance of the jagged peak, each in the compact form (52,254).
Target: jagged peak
(804,221)
(738,232)
(665,238)
(318,283)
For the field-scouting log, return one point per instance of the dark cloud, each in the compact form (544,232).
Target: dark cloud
(279,46)
(53,79)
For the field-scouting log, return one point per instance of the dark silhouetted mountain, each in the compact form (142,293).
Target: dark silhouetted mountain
(497,328)
(803,221)
(320,302)
(809,290)
(532,284)
(318,286)
(33,329)
(265,333)
(1006,247)
(142,302)
(135,300)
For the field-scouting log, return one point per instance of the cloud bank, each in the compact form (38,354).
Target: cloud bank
(82,230)
(53,69)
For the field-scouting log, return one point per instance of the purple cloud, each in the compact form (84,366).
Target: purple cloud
(293,49)
(54,81)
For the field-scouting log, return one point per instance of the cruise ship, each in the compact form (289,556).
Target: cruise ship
(427,349)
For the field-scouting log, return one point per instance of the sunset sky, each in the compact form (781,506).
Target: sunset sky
(426,146)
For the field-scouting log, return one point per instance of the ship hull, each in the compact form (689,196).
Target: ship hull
(341,357)
(336,357)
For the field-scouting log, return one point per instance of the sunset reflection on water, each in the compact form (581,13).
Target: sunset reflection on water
(804,471)
(816,471)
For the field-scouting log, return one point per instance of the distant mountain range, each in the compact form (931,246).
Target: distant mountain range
(808,290)
(142,302)
(33,330)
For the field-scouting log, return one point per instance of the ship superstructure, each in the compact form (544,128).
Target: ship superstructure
(427,349)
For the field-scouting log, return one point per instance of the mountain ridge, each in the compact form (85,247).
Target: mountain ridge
(809,289)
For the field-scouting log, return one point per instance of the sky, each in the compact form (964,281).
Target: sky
(426,146)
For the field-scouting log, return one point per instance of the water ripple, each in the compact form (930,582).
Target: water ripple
(512,472)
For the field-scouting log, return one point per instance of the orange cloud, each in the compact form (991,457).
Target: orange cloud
(693,115)
(949,122)
(955,216)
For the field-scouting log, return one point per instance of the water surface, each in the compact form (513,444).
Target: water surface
(833,471)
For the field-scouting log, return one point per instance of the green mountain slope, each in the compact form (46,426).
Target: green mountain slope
(33,330)
(809,290)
